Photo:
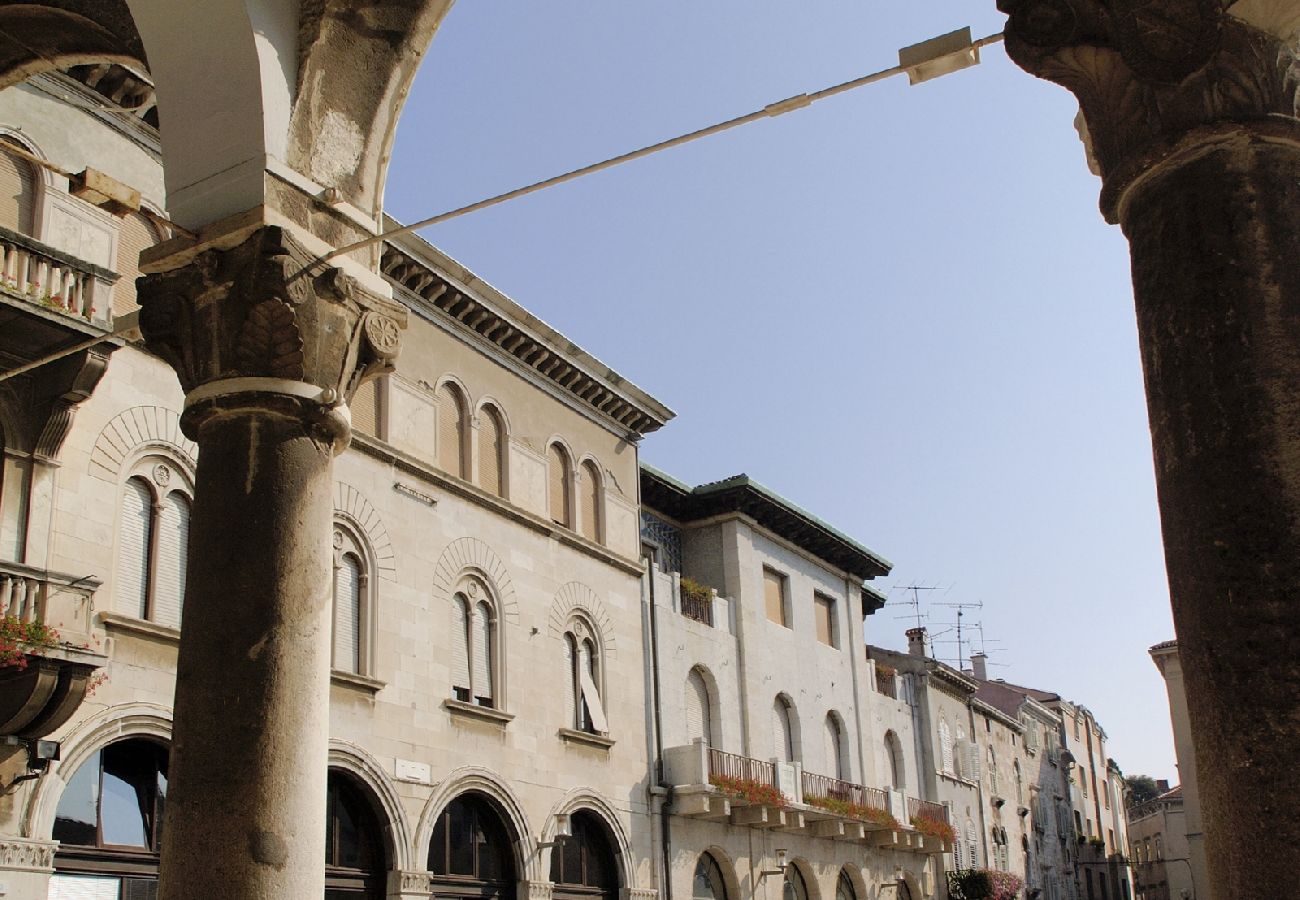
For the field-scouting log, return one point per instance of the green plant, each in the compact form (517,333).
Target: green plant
(752,792)
(934,827)
(850,810)
(695,590)
(18,639)
(1097,844)
(983,884)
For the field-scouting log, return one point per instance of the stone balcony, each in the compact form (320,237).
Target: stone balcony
(712,610)
(36,273)
(724,787)
(41,692)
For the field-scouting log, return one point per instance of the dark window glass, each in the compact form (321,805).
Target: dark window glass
(354,857)
(116,798)
(471,850)
(77,819)
(587,863)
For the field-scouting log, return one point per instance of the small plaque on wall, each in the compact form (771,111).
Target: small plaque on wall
(413,771)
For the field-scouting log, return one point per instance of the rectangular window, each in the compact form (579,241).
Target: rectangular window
(774,595)
(824,608)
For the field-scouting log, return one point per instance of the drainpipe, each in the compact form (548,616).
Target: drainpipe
(664,790)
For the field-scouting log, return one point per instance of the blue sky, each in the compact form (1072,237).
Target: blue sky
(899,307)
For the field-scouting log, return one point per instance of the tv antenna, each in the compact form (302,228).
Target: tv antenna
(961,611)
(915,602)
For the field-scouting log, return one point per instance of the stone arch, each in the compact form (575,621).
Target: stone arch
(727,866)
(46,37)
(856,878)
(353,759)
(576,597)
(717,738)
(352,506)
(809,875)
(589,800)
(136,428)
(488,783)
(471,555)
(93,733)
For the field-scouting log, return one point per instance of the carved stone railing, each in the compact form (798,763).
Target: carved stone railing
(42,275)
(59,601)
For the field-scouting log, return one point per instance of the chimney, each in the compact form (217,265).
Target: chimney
(916,641)
(979,662)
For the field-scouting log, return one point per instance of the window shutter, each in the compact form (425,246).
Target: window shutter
(595,710)
(489,452)
(135,234)
(17,192)
(173,553)
(460,647)
(834,757)
(782,731)
(451,432)
(972,761)
(697,709)
(590,502)
(347,614)
(825,609)
(365,408)
(584,675)
(945,747)
(133,546)
(483,653)
(557,463)
(570,682)
(774,595)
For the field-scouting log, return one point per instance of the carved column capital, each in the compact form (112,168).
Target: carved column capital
(1156,78)
(263,317)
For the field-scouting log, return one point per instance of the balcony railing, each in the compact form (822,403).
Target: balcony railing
(40,274)
(731,765)
(62,602)
(926,809)
(834,789)
(698,608)
(887,681)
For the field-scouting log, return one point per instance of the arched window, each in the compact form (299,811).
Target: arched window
(471,853)
(559,471)
(17,192)
(795,888)
(109,821)
(993,771)
(584,865)
(153,542)
(894,752)
(1083,781)
(836,750)
(708,883)
(474,651)
(785,744)
(351,647)
(451,431)
(945,747)
(844,889)
(699,711)
(135,234)
(354,853)
(491,451)
(583,686)
(593,503)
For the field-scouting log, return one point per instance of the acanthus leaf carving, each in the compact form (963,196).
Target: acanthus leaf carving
(269,342)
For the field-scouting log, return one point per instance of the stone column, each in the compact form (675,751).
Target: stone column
(268,347)
(1191,117)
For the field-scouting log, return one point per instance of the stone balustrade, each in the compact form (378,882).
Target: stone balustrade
(40,274)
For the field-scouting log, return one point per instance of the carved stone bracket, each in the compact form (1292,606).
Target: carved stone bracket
(265,309)
(401,883)
(1148,73)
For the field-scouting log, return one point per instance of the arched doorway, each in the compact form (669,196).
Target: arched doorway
(471,853)
(584,866)
(795,888)
(109,821)
(354,854)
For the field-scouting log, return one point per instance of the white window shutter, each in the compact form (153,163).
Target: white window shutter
(570,683)
(592,707)
(697,709)
(347,614)
(782,732)
(460,645)
(133,549)
(173,554)
(483,652)
(945,747)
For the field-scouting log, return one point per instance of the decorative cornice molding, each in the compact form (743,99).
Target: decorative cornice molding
(1149,73)
(21,855)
